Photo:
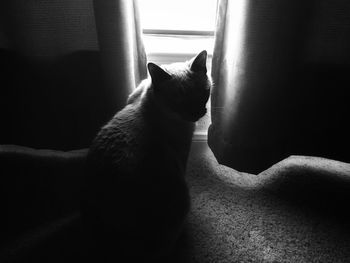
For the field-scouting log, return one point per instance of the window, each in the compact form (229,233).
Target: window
(178,30)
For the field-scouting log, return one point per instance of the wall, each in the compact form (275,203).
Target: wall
(48,27)
(52,93)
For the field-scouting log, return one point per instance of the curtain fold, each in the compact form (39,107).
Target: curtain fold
(268,101)
(120,41)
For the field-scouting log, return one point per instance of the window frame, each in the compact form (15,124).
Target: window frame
(179,55)
(174,32)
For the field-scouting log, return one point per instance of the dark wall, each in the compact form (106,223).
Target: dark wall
(52,93)
(48,27)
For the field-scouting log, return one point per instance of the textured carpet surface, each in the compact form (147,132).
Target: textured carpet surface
(296,211)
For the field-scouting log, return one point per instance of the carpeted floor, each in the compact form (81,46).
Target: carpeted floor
(296,211)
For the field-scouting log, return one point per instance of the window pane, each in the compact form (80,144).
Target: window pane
(178,14)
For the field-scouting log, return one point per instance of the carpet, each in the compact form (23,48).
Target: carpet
(296,211)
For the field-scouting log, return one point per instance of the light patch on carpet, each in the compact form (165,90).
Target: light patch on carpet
(263,247)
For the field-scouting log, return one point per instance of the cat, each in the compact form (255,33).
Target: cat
(136,197)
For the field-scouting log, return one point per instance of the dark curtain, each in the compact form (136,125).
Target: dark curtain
(281,87)
(122,51)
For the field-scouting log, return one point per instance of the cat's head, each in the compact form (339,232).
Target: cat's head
(184,88)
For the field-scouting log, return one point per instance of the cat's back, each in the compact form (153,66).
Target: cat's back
(123,140)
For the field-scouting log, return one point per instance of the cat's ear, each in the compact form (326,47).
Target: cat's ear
(158,75)
(199,63)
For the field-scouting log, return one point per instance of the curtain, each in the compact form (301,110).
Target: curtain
(120,42)
(272,96)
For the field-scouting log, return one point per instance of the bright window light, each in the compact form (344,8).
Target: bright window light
(175,31)
(184,15)
(179,28)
